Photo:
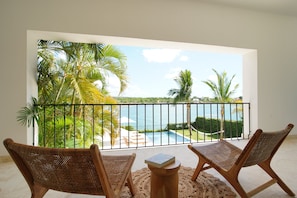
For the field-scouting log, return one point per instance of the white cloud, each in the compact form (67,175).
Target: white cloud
(173,73)
(212,78)
(113,85)
(184,58)
(160,55)
(135,91)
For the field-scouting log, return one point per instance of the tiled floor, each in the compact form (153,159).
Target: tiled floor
(12,184)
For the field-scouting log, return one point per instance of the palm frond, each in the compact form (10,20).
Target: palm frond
(28,114)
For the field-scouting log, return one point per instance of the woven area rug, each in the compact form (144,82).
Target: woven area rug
(206,185)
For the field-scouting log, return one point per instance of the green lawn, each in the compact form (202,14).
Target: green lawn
(197,136)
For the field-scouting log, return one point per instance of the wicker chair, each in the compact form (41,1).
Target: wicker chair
(228,160)
(82,171)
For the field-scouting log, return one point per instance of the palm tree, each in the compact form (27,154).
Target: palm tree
(222,92)
(183,93)
(113,62)
(71,79)
(83,65)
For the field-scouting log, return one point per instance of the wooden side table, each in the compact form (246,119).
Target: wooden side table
(164,181)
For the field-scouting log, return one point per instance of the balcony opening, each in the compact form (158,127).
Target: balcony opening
(33,36)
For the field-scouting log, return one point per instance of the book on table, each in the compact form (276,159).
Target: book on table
(160,160)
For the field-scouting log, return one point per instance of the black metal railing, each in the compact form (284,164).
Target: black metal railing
(116,126)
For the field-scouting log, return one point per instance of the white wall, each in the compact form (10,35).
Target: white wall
(272,85)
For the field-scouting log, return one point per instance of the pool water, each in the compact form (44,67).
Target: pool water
(165,138)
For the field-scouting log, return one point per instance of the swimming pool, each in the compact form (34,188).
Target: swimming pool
(166,138)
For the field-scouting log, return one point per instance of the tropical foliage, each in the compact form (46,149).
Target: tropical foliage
(76,73)
(223,91)
(183,93)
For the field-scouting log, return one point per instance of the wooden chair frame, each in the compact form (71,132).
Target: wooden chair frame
(82,171)
(228,159)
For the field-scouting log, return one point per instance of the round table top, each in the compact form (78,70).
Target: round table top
(166,170)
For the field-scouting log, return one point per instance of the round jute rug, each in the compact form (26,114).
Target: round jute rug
(206,185)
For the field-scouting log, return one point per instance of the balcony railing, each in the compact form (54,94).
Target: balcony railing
(116,126)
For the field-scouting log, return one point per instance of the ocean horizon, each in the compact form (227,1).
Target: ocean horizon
(157,116)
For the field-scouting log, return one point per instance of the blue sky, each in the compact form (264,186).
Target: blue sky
(151,71)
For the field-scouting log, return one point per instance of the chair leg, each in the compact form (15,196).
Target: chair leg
(267,168)
(198,169)
(38,191)
(131,185)
(236,185)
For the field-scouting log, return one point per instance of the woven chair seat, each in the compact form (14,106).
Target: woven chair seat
(221,154)
(228,159)
(83,171)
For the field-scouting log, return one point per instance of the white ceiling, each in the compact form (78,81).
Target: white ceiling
(283,7)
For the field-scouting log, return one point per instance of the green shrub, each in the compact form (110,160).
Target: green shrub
(231,128)
(206,125)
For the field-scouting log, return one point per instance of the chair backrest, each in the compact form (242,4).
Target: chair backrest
(262,146)
(67,170)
